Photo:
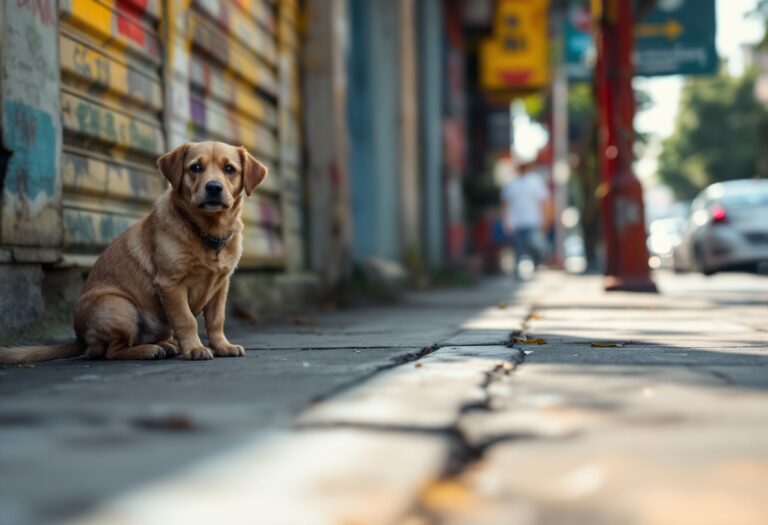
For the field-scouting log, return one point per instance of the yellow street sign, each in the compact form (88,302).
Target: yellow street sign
(671,29)
(516,57)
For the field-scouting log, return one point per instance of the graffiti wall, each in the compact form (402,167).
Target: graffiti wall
(31,133)
(224,84)
(290,132)
(111,113)
(93,91)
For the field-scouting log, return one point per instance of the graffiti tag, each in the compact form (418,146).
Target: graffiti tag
(42,9)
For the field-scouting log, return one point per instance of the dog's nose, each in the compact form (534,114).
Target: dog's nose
(214,188)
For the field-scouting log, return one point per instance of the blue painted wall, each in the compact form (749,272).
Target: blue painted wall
(430,34)
(362,161)
(373,114)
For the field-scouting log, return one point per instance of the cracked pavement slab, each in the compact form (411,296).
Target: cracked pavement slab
(116,427)
(428,394)
(426,414)
(670,428)
(317,477)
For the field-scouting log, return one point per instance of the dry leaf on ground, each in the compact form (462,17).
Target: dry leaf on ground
(606,344)
(170,422)
(530,340)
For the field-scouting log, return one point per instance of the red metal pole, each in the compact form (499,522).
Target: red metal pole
(622,203)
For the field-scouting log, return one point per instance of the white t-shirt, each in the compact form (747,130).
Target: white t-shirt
(524,196)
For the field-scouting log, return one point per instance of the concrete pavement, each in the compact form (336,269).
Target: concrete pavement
(442,409)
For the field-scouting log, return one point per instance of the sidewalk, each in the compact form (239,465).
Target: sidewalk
(441,409)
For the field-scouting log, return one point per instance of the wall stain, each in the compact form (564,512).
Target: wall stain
(31,137)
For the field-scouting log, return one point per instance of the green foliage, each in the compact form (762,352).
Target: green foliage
(719,130)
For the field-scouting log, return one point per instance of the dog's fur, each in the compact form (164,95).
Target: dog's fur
(143,293)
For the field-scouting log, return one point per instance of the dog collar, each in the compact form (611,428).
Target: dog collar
(214,243)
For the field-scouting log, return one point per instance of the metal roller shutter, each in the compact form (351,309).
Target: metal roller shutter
(111,111)
(223,85)
(290,131)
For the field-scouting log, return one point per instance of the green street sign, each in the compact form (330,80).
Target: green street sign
(677,37)
(579,43)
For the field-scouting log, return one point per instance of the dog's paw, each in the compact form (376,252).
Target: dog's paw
(199,353)
(229,350)
(171,349)
(152,352)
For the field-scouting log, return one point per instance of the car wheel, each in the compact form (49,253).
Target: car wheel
(698,256)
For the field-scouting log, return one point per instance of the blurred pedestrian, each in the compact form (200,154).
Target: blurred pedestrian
(524,199)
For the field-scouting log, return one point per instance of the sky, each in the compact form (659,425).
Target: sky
(733,30)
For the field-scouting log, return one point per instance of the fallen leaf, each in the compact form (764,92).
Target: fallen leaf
(171,422)
(301,320)
(502,305)
(418,365)
(530,340)
(448,496)
(536,316)
(606,344)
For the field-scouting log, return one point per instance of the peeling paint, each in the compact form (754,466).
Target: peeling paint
(31,137)
(86,112)
(111,111)
(30,132)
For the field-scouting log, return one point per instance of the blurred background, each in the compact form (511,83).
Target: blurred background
(390,128)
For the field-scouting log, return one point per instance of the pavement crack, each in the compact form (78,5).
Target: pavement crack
(463,451)
(375,427)
(394,362)
(725,378)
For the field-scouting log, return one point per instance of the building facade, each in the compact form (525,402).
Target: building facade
(355,105)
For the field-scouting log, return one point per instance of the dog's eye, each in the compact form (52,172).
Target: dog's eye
(229,168)
(196,167)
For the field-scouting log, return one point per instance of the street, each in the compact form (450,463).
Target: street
(353,197)
(549,402)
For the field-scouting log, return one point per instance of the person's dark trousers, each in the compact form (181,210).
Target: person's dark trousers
(523,244)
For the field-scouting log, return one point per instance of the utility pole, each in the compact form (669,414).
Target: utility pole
(561,164)
(622,203)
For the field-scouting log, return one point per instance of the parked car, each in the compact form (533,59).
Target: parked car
(727,229)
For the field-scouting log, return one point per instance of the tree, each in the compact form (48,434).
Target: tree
(717,134)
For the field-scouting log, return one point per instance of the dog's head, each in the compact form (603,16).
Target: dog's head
(209,176)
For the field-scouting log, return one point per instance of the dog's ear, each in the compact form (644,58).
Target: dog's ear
(172,165)
(254,172)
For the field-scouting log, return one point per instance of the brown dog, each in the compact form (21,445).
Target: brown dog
(142,296)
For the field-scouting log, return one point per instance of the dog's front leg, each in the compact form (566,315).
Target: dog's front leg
(175,298)
(214,325)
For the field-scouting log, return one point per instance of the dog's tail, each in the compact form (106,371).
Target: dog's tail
(18,355)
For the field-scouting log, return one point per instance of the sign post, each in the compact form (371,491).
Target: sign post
(622,204)
(516,58)
(677,37)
